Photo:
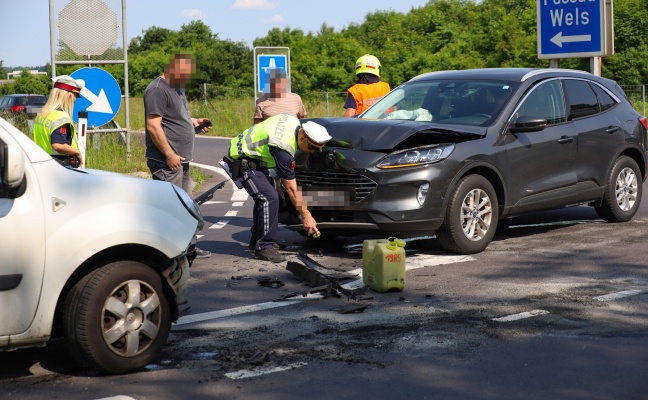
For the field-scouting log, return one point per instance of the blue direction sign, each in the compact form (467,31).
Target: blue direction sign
(101,96)
(571,28)
(267,62)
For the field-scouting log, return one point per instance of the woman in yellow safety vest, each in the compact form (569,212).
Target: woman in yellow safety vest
(53,128)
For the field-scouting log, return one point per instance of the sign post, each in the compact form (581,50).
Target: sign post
(266,59)
(571,28)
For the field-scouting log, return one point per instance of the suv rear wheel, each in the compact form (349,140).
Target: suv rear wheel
(471,217)
(623,191)
(117,318)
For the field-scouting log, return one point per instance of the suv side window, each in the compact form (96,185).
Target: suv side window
(582,99)
(605,100)
(545,101)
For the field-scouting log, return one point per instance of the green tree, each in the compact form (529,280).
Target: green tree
(32,84)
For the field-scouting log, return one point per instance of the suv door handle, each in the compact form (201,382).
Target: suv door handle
(612,129)
(565,139)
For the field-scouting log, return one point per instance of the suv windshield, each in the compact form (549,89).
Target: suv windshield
(453,102)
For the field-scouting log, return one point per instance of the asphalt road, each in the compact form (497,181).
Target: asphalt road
(556,307)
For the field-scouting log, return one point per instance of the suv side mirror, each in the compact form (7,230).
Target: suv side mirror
(12,167)
(527,123)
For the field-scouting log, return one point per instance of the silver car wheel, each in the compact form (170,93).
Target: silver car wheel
(626,189)
(476,214)
(131,318)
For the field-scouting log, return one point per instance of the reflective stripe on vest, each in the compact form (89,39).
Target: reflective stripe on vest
(278,131)
(367,94)
(44,126)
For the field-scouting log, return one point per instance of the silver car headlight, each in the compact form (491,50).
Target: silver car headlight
(416,157)
(190,205)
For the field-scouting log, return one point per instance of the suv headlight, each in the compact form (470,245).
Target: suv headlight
(416,157)
(190,205)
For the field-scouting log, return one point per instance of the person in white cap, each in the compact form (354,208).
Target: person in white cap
(53,128)
(272,144)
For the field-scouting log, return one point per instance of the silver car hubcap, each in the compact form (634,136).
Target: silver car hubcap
(476,214)
(626,189)
(131,318)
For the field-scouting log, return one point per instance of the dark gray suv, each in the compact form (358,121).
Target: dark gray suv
(454,152)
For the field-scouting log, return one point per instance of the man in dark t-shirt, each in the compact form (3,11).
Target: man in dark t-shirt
(170,129)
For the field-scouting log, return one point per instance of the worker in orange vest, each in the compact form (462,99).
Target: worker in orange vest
(369,88)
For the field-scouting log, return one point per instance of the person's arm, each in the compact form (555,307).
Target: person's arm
(154,128)
(350,106)
(64,148)
(295,195)
(286,171)
(198,121)
(302,110)
(257,120)
(59,141)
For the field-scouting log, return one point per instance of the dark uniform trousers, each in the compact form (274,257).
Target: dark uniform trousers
(265,226)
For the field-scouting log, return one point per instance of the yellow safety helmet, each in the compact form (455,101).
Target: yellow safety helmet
(368,64)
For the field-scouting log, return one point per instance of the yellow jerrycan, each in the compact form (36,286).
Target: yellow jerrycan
(383,264)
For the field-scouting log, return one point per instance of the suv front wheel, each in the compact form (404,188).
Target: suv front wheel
(623,191)
(117,318)
(471,217)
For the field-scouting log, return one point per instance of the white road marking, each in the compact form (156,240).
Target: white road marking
(199,236)
(231,213)
(519,316)
(415,262)
(237,194)
(219,225)
(117,398)
(618,295)
(238,204)
(213,202)
(245,373)
(587,221)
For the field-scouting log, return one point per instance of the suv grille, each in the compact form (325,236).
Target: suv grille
(361,185)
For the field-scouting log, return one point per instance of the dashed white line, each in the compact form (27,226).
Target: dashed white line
(199,236)
(231,213)
(238,204)
(219,225)
(245,373)
(214,202)
(523,315)
(618,295)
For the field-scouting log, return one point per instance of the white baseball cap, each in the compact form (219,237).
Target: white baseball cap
(316,134)
(67,83)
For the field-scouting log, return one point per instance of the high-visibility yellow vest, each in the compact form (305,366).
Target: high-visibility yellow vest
(278,131)
(367,94)
(44,126)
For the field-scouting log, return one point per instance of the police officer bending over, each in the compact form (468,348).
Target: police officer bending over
(272,144)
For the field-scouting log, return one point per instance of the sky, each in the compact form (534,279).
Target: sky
(24,24)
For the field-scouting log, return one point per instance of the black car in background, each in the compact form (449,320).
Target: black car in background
(453,152)
(18,102)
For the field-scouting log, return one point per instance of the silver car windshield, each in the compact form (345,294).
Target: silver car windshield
(451,102)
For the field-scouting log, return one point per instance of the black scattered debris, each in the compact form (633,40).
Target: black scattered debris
(354,308)
(428,296)
(327,272)
(402,299)
(260,358)
(184,311)
(317,275)
(241,277)
(326,291)
(270,282)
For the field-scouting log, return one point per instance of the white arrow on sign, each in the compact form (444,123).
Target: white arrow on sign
(99,104)
(559,39)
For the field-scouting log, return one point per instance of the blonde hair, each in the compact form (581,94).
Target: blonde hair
(59,99)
